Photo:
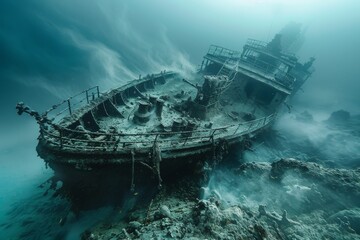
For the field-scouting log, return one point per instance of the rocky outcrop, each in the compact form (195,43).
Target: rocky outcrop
(343,182)
(176,213)
(340,116)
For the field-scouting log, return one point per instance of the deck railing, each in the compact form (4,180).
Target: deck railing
(256,43)
(272,71)
(223,52)
(86,141)
(68,106)
(262,45)
(269,70)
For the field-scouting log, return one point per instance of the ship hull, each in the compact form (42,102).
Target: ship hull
(91,181)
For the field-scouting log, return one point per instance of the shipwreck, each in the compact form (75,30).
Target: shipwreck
(160,123)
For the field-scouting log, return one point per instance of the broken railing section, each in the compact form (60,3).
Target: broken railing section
(82,140)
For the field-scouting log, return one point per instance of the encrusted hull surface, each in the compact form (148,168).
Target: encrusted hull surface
(93,181)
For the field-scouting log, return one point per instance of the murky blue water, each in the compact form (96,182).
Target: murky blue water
(25,212)
(52,50)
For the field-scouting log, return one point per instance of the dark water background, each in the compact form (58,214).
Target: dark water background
(50,50)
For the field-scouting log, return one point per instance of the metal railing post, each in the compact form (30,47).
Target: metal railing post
(87,96)
(97,90)
(186,139)
(237,128)
(69,106)
(250,125)
(211,137)
(61,138)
